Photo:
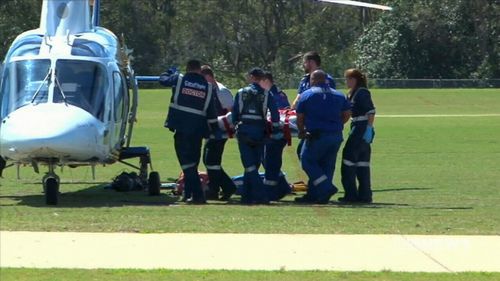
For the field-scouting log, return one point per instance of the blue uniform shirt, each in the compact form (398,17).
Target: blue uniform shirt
(362,103)
(322,107)
(279,97)
(305,83)
(254,130)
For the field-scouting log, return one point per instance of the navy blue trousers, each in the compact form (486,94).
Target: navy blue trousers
(251,157)
(356,165)
(188,151)
(275,182)
(318,158)
(212,158)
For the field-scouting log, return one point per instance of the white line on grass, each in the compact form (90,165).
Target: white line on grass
(436,115)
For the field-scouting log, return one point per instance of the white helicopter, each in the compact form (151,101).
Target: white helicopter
(65,97)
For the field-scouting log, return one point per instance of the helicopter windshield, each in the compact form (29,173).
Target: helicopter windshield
(24,82)
(81,83)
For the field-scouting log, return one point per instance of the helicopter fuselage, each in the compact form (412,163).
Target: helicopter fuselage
(64,99)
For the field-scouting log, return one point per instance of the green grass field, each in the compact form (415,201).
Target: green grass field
(182,275)
(430,176)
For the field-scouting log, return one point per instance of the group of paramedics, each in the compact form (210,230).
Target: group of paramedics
(321,111)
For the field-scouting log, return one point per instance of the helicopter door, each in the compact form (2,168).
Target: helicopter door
(121,105)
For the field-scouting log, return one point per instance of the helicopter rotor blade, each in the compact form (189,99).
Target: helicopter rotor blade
(359,4)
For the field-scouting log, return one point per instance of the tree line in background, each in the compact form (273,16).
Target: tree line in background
(418,39)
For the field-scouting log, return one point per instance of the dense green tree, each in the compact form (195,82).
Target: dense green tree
(419,39)
(17,16)
(433,39)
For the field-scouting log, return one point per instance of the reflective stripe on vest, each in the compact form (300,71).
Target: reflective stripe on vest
(209,97)
(240,101)
(253,117)
(264,104)
(188,109)
(178,88)
(176,105)
(364,117)
(249,116)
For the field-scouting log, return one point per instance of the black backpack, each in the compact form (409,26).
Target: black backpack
(127,182)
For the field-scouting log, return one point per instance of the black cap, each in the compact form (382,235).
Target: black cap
(257,72)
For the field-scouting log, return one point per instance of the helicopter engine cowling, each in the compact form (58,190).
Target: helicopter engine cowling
(63,17)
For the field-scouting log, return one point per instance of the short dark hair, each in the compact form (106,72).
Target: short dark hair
(314,56)
(193,66)
(257,73)
(207,70)
(268,75)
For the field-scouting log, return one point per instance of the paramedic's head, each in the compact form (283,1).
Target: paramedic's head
(193,66)
(208,73)
(255,75)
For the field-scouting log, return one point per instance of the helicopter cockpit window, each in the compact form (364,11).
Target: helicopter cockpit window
(24,82)
(82,84)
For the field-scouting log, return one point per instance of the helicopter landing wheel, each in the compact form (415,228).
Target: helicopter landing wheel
(51,187)
(154,184)
(47,176)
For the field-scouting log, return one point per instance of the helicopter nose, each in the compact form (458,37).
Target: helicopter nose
(49,131)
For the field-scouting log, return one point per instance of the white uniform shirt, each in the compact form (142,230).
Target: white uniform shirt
(225,96)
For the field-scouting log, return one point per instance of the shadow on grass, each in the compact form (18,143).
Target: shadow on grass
(401,189)
(94,196)
(332,203)
(374,205)
(444,208)
(99,196)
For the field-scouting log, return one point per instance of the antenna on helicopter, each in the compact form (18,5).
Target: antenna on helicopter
(96,16)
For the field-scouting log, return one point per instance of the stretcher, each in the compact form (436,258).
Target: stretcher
(288,123)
